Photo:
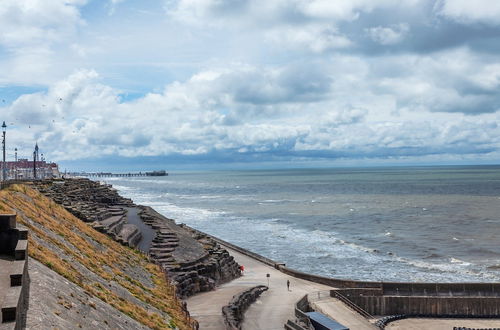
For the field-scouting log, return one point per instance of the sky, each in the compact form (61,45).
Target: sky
(192,83)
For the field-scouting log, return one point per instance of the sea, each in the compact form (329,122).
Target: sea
(392,224)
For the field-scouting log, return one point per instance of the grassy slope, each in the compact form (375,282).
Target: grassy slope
(53,229)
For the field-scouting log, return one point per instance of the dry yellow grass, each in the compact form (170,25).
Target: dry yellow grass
(52,226)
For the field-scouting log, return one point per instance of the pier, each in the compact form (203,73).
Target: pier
(109,174)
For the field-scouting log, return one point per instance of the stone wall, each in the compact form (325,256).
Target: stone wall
(301,321)
(212,267)
(234,311)
(14,277)
(95,203)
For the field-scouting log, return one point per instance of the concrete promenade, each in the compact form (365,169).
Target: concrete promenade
(342,314)
(442,324)
(270,311)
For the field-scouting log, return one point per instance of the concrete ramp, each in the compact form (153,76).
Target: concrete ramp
(338,311)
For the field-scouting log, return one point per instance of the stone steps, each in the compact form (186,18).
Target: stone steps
(129,235)
(14,285)
(113,224)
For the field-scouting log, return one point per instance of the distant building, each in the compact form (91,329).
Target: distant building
(24,168)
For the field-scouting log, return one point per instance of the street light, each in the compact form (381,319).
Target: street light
(15,164)
(34,165)
(4,168)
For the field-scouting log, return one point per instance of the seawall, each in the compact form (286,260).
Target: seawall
(389,298)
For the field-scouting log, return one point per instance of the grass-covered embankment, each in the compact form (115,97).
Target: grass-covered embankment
(120,276)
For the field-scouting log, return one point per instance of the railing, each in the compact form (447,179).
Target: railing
(301,308)
(8,183)
(352,305)
(319,295)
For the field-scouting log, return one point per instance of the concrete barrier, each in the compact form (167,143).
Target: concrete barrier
(375,302)
(464,328)
(14,265)
(333,282)
(233,312)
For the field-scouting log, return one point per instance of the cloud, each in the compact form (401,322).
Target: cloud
(27,23)
(278,11)
(315,38)
(251,80)
(470,12)
(79,117)
(451,81)
(291,23)
(30,31)
(388,35)
(112,6)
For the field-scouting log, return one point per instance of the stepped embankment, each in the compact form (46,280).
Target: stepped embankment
(82,278)
(193,261)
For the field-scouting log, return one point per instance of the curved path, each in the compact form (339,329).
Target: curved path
(275,306)
(148,233)
(270,311)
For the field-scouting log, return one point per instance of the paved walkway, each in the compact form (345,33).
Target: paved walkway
(442,324)
(270,311)
(343,314)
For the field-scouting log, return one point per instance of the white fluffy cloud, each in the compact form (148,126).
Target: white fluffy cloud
(469,12)
(389,35)
(317,38)
(37,22)
(251,80)
(221,111)
(30,29)
(292,23)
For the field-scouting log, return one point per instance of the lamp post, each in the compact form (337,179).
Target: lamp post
(34,165)
(15,164)
(4,168)
(35,160)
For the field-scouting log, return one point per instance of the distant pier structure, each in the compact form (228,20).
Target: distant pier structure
(109,174)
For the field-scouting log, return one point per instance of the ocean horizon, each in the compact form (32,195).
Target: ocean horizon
(419,223)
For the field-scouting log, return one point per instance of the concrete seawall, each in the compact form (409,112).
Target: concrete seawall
(422,299)
(234,311)
(14,277)
(412,298)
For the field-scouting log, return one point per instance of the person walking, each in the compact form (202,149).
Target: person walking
(288,285)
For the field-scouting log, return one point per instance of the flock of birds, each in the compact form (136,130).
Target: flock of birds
(43,106)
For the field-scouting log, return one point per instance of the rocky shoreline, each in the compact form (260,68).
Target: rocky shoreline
(192,261)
